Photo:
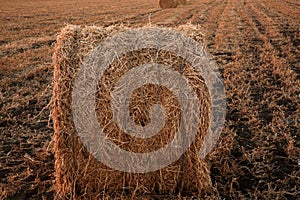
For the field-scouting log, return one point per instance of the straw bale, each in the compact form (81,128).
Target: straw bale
(78,174)
(164,4)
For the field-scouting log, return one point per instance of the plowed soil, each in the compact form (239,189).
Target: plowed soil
(256,44)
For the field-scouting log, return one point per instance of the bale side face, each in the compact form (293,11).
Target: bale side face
(78,173)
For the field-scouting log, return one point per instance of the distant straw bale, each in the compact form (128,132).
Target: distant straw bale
(164,4)
(78,174)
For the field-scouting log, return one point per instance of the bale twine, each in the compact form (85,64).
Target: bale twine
(165,4)
(78,174)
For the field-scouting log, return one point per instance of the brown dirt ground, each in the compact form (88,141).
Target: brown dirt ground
(256,44)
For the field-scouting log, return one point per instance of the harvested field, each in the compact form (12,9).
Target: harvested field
(256,44)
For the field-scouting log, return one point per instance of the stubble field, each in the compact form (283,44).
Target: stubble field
(256,44)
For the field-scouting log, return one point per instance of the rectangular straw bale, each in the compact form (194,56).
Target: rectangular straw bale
(78,174)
